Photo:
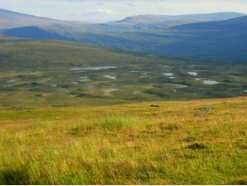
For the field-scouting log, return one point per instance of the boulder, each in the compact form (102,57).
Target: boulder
(154,106)
(198,115)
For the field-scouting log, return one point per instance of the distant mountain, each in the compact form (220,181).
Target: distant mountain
(210,42)
(230,24)
(214,39)
(10,19)
(149,18)
(212,16)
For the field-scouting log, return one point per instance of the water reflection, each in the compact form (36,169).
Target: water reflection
(210,82)
(93,68)
(111,77)
(192,73)
(168,74)
(111,90)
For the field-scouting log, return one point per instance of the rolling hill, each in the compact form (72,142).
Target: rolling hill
(215,39)
(10,19)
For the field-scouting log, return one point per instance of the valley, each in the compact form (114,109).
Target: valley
(59,73)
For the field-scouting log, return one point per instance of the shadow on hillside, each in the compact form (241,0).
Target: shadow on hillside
(14,177)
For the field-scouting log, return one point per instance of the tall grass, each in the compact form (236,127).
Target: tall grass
(129,145)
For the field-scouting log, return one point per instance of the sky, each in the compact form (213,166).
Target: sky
(111,10)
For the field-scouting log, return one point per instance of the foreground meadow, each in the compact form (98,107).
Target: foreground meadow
(126,144)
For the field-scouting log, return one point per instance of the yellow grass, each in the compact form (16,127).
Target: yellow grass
(126,144)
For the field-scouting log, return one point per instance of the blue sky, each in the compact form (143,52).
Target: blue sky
(109,10)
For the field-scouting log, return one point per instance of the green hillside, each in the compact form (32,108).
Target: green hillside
(51,72)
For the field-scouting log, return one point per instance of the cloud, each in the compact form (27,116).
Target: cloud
(100,11)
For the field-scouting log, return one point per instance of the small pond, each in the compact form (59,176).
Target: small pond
(90,85)
(179,85)
(192,73)
(93,68)
(12,80)
(111,77)
(210,82)
(111,90)
(168,74)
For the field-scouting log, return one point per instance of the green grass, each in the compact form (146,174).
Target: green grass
(126,144)
(37,65)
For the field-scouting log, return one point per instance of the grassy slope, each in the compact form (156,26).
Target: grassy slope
(126,144)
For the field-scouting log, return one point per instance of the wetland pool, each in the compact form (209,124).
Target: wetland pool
(111,90)
(179,85)
(210,82)
(111,77)
(168,74)
(192,73)
(93,68)
(12,80)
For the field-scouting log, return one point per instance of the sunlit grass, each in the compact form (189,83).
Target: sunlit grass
(127,144)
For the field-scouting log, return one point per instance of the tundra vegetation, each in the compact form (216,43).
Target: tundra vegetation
(74,113)
(126,144)
(57,73)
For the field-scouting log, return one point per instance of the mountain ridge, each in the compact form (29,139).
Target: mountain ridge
(10,19)
(234,23)
(197,17)
(205,43)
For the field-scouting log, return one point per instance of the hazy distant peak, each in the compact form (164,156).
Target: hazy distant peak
(212,16)
(148,18)
(234,23)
